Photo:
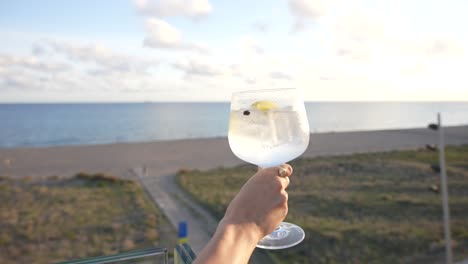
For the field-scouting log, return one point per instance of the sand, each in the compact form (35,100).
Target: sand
(166,157)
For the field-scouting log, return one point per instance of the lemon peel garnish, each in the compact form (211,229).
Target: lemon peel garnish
(264,105)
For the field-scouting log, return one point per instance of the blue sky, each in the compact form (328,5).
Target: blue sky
(202,50)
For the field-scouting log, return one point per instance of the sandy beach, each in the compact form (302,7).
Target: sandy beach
(166,157)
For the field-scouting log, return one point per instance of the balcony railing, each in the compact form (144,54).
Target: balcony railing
(183,254)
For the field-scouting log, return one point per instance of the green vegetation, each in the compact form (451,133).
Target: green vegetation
(54,219)
(363,208)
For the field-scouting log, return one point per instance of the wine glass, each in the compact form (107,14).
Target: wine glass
(268,128)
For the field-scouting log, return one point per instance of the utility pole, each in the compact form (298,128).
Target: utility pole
(443,186)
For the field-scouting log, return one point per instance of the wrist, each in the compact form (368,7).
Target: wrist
(232,243)
(248,233)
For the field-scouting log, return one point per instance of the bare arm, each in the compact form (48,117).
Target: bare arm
(256,211)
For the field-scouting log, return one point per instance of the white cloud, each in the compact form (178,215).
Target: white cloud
(304,10)
(198,67)
(32,63)
(102,57)
(169,8)
(96,70)
(162,35)
(30,73)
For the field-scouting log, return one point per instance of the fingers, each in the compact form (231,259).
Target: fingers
(283,203)
(281,173)
(284,170)
(284,182)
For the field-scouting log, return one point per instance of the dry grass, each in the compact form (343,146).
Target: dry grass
(53,219)
(364,208)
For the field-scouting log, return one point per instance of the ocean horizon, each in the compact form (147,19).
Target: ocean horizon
(59,124)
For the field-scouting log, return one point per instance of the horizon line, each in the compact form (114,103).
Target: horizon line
(204,102)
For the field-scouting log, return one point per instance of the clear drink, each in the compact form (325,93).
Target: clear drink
(268,138)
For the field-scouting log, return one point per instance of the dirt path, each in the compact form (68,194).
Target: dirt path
(178,206)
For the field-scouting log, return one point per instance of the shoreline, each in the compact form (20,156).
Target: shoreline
(312,134)
(167,157)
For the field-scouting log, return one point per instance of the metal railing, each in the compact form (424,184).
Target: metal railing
(183,254)
(152,255)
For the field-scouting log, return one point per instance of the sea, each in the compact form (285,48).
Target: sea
(41,125)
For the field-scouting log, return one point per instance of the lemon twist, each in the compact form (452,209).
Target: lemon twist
(264,105)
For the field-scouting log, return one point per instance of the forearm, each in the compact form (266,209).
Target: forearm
(231,243)
(257,209)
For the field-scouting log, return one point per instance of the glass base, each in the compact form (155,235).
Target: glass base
(284,236)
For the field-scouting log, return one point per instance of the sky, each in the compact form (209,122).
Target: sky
(203,50)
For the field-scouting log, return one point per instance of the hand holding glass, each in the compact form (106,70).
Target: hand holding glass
(268,128)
